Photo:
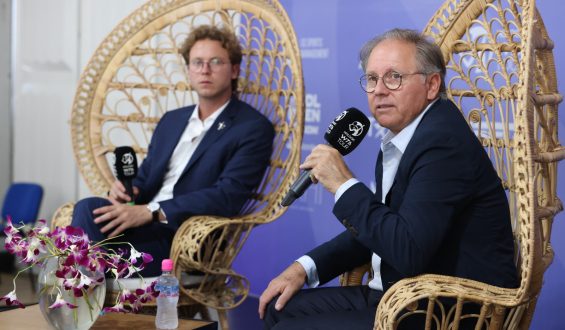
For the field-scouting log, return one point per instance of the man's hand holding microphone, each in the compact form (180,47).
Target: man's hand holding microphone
(122,213)
(325,165)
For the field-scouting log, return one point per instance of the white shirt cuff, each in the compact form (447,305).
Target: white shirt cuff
(311,271)
(343,188)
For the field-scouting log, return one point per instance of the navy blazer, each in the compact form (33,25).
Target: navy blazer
(226,166)
(446,212)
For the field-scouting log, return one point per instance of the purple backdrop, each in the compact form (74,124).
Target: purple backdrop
(330,34)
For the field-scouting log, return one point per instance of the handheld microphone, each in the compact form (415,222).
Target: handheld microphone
(126,167)
(344,133)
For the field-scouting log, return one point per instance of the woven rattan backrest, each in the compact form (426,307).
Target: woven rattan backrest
(501,75)
(137,74)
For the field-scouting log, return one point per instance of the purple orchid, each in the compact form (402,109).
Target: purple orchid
(12,299)
(135,300)
(117,308)
(77,258)
(60,302)
(147,294)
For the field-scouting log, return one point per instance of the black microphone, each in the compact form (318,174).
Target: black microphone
(344,133)
(126,167)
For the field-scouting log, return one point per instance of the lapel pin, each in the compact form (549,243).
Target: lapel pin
(221,125)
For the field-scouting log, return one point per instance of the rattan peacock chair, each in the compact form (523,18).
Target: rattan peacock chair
(501,74)
(137,74)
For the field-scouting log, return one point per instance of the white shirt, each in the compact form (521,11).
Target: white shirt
(393,147)
(188,142)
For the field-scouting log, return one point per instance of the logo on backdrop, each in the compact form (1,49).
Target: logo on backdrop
(313,48)
(313,115)
(312,118)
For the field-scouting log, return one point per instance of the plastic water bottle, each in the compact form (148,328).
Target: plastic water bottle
(168,287)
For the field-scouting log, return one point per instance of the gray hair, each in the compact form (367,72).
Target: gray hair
(428,55)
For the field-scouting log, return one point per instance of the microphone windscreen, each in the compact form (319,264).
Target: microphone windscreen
(126,163)
(347,130)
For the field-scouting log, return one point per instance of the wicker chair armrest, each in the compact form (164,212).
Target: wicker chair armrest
(405,295)
(208,245)
(203,231)
(355,276)
(63,215)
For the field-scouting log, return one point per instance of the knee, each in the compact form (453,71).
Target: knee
(82,212)
(271,314)
(273,317)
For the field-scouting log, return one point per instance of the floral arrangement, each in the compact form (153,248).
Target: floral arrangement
(77,259)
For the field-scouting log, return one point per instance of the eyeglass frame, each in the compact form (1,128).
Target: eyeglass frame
(213,64)
(377,78)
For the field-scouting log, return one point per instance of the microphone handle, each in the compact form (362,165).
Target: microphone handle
(298,188)
(128,184)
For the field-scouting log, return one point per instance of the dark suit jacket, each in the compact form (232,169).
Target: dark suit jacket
(446,212)
(223,171)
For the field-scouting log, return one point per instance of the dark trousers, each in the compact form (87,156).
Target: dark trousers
(153,238)
(352,308)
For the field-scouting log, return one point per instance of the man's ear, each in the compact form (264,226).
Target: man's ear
(235,71)
(434,83)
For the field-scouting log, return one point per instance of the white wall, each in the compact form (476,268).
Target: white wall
(52,41)
(5,98)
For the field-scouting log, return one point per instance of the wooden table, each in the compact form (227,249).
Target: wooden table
(31,318)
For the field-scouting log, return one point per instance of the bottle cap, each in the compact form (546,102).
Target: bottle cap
(167,265)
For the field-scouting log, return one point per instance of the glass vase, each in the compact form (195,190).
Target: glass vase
(65,318)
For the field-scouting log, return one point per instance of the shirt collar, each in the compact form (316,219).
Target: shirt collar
(401,140)
(212,117)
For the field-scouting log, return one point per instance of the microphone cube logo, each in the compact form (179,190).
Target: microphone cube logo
(356,128)
(346,139)
(127,159)
(128,164)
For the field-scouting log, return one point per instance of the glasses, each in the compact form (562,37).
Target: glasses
(197,64)
(392,80)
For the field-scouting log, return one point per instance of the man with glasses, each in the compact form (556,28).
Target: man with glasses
(204,159)
(439,206)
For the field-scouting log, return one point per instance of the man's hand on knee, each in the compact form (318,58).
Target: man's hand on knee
(290,281)
(119,217)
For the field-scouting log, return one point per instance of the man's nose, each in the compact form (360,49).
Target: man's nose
(206,67)
(380,87)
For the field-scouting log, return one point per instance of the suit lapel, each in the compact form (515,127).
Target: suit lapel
(412,146)
(379,176)
(174,132)
(221,125)
(429,119)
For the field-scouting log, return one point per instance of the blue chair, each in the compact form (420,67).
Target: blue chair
(22,203)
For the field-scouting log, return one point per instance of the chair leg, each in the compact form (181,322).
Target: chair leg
(223,317)
(205,313)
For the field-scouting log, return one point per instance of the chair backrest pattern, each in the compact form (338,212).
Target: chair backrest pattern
(501,74)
